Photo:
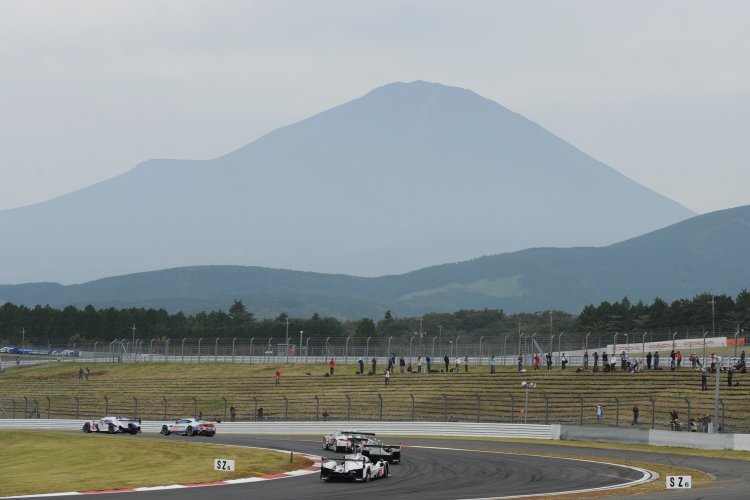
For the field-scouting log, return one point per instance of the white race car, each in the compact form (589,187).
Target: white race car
(344,440)
(112,425)
(190,427)
(356,467)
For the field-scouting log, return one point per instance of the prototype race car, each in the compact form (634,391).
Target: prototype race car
(376,450)
(356,467)
(112,425)
(190,427)
(344,440)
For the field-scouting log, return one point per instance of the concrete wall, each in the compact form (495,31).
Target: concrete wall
(691,440)
(624,435)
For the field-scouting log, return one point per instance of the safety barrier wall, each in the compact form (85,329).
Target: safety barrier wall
(320,428)
(700,440)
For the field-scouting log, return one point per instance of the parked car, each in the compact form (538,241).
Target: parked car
(190,427)
(112,425)
(355,467)
(344,440)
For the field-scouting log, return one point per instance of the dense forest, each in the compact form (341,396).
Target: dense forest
(44,325)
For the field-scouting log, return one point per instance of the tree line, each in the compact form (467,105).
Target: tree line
(44,325)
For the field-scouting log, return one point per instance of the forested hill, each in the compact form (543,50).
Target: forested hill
(704,254)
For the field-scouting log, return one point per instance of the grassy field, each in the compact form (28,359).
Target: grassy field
(47,462)
(159,391)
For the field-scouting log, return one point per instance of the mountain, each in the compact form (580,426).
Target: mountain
(409,175)
(703,254)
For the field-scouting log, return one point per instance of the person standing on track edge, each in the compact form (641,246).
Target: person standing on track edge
(331,365)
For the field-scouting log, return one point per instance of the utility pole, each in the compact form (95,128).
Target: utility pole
(713,316)
(23,337)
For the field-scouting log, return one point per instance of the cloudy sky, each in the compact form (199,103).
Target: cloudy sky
(88,89)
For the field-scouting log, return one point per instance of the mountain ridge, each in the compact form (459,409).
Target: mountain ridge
(702,254)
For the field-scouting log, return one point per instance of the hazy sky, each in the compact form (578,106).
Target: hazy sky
(659,90)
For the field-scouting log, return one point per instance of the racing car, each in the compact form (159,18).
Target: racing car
(344,440)
(355,467)
(190,427)
(112,425)
(376,450)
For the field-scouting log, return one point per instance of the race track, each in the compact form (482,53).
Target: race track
(464,469)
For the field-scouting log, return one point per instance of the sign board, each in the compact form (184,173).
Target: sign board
(679,482)
(223,465)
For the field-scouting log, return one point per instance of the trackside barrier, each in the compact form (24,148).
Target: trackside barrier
(451,429)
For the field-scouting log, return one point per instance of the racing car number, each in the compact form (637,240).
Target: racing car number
(221,464)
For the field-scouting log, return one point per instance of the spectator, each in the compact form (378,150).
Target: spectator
(331,365)
(259,416)
(635,415)
(536,361)
(672,361)
(549,361)
(87,372)
(713,362)
(520,362)
(389,367)
(656,360)
(325,415)
(456,364)
(563,362)
(730,372)
(704,380)
(278,377)
(374,365)
(80,374)
(586,360)
(648,360)
(466,364)
(232,413)
(419,364)
(692,361)
(742,357)
(387,377)
(361,365)
(605,362)
(599,414)
(492,364)
(428,362)
(446,361)
(624,361)
(596,361)
(678,359)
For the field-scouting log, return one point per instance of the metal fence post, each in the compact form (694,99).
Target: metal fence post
(653,411)
(721,402)
(14,407)
(512,407)
(546,409)
(380,397)
(25,407)
(166,403)
(286,408)
(348,407)
(412,407)
(195,407)
(135,416)
(255,408)
(445,408)
(106,406)
(687,401)
(49,404)
(225,406)
(78,406)
(617,412)
(580,398)
(317,407)
(479,408)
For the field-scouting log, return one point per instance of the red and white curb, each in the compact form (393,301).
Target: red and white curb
(313,469)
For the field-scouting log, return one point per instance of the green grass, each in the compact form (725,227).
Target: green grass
(47,462)
(158,387)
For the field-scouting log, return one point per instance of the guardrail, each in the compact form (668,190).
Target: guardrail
(452,429)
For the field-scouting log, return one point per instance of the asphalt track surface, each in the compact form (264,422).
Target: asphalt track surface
(429,473)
